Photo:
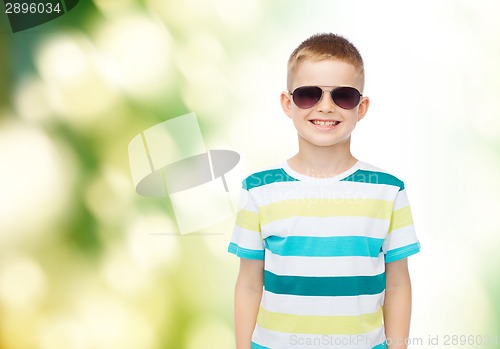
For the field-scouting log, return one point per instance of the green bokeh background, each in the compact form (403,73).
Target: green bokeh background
(85,261)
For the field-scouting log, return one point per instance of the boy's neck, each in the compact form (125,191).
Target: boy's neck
(322,161)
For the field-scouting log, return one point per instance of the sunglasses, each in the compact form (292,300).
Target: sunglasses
(306,97)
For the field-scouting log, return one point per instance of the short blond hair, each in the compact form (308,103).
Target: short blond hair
(325,46)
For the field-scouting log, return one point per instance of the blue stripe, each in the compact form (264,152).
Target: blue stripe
(245,252)
(266,177)
(256,346)
(329,246)
(381,346)
(402,252)
(374,177)
(324,286)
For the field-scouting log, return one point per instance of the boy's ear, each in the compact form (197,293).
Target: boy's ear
(286,103)
(363,107)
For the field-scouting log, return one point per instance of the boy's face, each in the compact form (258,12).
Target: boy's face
(314,125)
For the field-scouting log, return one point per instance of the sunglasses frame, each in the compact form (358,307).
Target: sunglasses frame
(332,90)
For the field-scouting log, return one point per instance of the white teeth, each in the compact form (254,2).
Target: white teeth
(325,123)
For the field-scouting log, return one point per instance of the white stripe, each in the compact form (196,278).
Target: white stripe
(401,200)
(281,340)
(328,226)
(399,238)
(279,191)
(322,306)
(247,239)
(247,202)
(323,266)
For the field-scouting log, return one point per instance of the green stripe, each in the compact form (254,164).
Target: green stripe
(266,177)
(326,207)
(329,246)
(324,286)
(374,177)
(320,324)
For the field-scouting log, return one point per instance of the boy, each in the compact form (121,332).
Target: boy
(323,238)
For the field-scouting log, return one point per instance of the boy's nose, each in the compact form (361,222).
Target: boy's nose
(326,104)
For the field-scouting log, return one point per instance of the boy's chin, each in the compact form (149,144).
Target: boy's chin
(324,142)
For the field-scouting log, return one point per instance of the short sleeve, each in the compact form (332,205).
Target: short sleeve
(246,239)
(401,240)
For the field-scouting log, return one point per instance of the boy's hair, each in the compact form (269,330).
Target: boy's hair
(325,46)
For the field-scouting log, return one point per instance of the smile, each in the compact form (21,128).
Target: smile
(325,123)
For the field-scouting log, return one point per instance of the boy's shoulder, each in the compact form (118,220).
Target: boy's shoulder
(267,175)
(362,172)
(369,173)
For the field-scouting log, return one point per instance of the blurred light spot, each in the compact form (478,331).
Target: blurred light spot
(482,198)
(122,274)
(486,18)
(16,329)
(77,90)
(22,282)
(31,100)
(217,244)
(181,14)
(201,50)
(111,324)
(200,59)
(451,272)
(251,79)
(35,182)
(210,100)
(247,126)
(111,7)
(63,58)
(61,332)
(488,124)
(138,49)
(209,332)
(109,195)
(152,240)
(237,15)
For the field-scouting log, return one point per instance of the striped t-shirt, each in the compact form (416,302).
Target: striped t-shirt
(325,243)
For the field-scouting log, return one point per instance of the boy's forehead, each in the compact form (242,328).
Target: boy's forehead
(326,72)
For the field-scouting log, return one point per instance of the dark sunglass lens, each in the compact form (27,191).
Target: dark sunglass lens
(346,97)
(307,96)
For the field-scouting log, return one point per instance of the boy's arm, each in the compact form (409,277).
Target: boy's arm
(397,304)
(247,296)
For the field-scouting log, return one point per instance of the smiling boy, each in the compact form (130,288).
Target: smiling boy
(323,239)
